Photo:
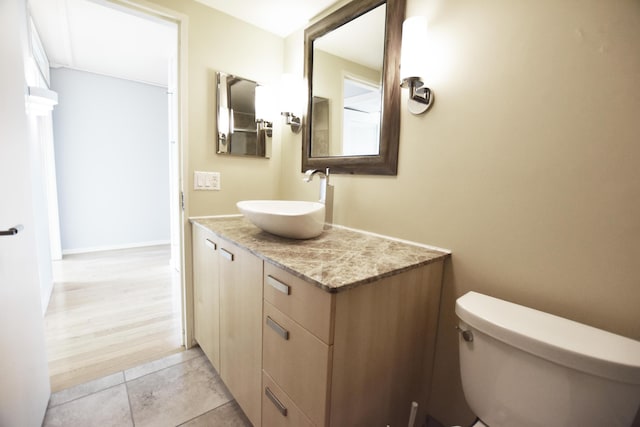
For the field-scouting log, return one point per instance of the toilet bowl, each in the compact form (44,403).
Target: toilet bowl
(526,368)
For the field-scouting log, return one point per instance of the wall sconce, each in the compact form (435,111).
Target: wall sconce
(223,124)
(290,101)
(414,34)
(264,109)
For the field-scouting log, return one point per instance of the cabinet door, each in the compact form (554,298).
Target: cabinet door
(241,327)
(206,294)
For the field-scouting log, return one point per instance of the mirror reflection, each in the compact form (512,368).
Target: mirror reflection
(346,110)
(352,69)
(238,132)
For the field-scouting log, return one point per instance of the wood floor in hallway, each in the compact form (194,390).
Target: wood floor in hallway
(110,311)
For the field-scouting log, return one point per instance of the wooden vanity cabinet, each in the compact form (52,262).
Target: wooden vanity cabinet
(228,315)
(241,327)
(294,355)
(206,291)
(354,358)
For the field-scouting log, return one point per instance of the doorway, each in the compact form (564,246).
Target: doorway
(111,311)
(117,303)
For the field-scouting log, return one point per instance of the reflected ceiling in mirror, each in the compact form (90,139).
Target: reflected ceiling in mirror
(353,112)
(238,132)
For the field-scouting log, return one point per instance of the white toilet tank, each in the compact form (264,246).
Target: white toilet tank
(527,368)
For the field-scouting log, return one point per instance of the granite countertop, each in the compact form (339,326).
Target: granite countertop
(339,259)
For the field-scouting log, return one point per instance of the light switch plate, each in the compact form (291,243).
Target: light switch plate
(212,181)
(206,181)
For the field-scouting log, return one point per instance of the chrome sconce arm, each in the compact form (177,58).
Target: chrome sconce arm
(266,126)
(420,97)
(292,120)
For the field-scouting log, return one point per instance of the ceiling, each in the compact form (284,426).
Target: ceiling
(281,17)
(360,41)
(101,37)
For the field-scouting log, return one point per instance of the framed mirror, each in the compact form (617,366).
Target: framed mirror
(352,68)
(239,133)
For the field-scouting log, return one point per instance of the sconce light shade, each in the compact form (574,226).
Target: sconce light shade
(291,101)
(412,64)
(264,109)
(414,34)
(264,104)
(223,123)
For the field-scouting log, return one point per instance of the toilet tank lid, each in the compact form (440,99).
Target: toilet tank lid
(554,338)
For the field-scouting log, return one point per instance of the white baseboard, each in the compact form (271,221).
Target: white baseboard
(115,247)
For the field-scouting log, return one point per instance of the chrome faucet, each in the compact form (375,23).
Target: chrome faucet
(324,181)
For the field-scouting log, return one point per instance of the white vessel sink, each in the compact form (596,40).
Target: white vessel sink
(286,218)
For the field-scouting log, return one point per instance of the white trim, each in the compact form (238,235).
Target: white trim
(115,247)
(40,101)
(140,9)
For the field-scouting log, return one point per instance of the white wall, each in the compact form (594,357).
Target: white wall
(112,161)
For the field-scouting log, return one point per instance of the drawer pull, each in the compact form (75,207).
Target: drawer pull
(279,329)
(278,285)
(226,254)
(272,397)
(211,244)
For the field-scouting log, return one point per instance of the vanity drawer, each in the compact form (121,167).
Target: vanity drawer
(278,410)
(298,361)
(306,304)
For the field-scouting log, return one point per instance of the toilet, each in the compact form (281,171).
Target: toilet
(521,367)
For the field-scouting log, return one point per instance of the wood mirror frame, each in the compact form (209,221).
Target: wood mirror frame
(386,161)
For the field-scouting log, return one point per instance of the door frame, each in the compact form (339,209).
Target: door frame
(181,20)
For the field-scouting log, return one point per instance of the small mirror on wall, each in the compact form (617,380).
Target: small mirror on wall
(238,132)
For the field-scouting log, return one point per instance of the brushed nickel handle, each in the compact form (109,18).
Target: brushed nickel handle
(278,285)
(279,329)
(12,231)
(211,244)
(226,254)
(272,397)
(467,335)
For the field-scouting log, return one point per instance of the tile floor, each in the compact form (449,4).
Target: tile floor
(182,389)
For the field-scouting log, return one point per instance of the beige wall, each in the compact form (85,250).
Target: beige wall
(527,166)
(219,42)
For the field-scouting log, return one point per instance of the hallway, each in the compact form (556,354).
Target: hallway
(111,311)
